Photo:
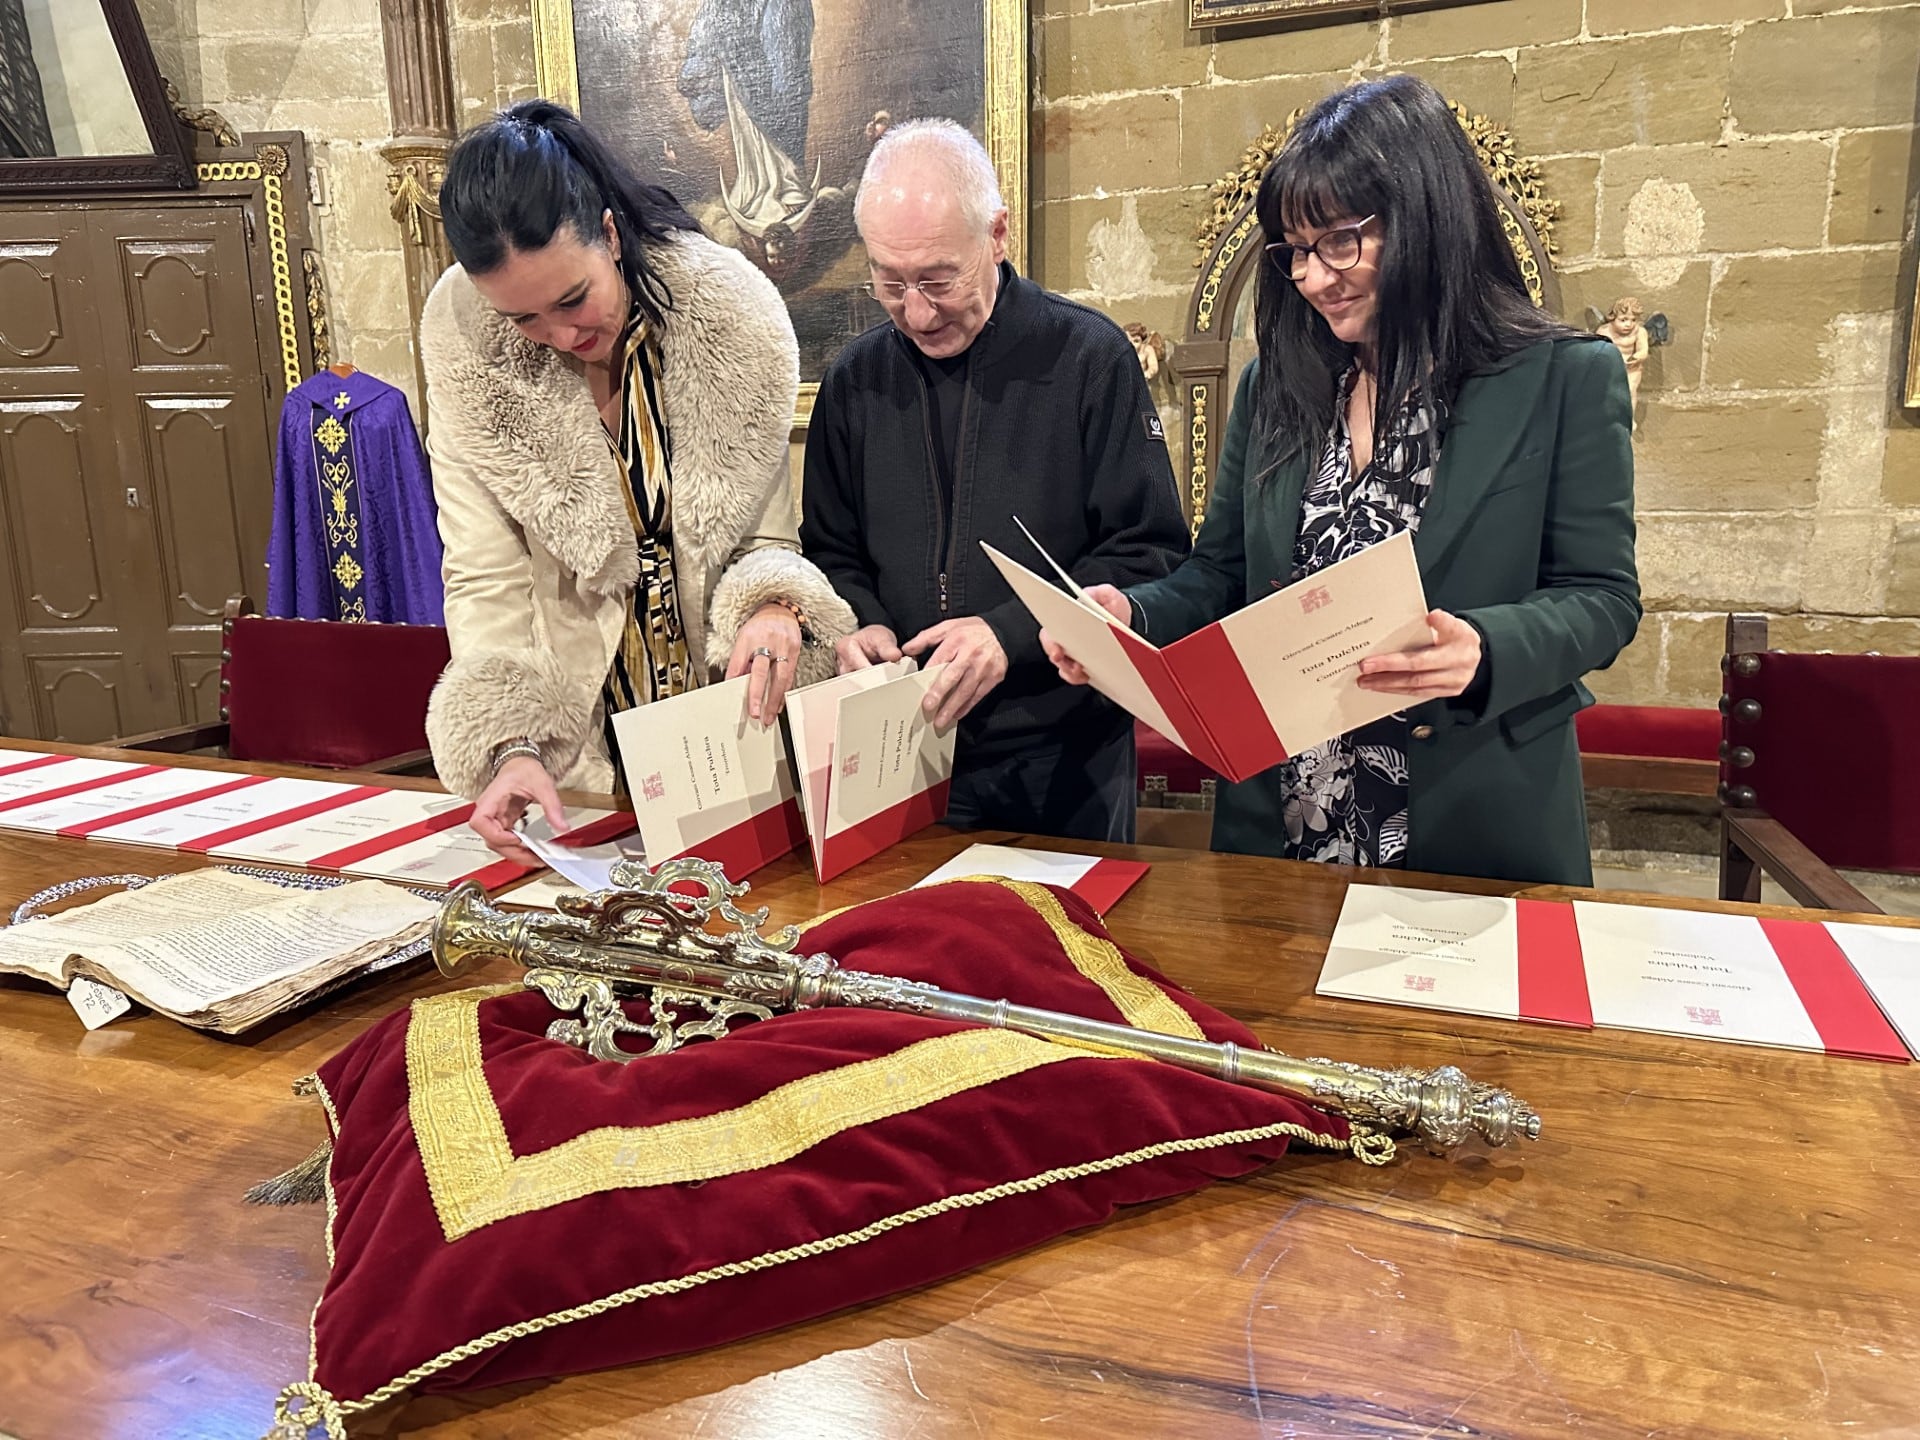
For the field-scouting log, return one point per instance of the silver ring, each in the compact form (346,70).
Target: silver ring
(763,650)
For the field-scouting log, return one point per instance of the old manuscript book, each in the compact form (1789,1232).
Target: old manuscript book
(216,950)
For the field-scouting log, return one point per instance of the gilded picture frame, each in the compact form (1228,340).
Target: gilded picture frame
(1211,14)
(1910,397)
(657,79)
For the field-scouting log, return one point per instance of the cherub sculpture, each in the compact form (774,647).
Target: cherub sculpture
(1634,332)
(1149,346)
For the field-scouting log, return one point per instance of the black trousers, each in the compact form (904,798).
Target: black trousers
(1074,791)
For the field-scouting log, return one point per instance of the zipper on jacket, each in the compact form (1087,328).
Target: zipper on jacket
(953,503)
(946,533)
(942,519)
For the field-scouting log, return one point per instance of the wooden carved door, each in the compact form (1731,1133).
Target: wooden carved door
(135,461)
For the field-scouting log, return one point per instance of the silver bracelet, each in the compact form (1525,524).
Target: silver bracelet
(509,749)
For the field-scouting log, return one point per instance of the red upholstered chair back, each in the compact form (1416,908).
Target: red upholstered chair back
(319,692)
(1825,745)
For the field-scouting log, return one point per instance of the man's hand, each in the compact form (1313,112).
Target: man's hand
(1108,599)
(767,647)
(496,814)
(1439,672)
(866,647)
(975,664)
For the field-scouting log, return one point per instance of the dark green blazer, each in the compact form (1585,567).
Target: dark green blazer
(1527,535)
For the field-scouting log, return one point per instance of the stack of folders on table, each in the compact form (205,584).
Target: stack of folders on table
(1839,987)
(857,768)
(332,827)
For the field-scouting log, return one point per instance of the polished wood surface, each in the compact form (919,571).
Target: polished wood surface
(1707,1241)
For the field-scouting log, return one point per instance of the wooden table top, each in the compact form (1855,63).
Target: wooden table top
(1708,1240)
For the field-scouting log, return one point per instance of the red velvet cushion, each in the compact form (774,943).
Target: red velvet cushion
(1160,756)
(720,1231)
(1671,732)
(319,692)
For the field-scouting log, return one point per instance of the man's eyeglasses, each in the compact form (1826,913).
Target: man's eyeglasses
(1338,249)
(894,292)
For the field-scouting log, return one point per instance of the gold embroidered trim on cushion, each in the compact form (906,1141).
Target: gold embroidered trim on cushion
(770,1259)
(1141,1003)
(475,1178)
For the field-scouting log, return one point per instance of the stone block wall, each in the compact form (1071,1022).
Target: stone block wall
(1746,167)
(315,66)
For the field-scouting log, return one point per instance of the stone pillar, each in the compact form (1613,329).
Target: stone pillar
(420,99)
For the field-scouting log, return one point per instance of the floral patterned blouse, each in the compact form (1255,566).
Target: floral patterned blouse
(1346,799)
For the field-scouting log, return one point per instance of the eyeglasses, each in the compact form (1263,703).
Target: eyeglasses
(1338,249)
(894,292)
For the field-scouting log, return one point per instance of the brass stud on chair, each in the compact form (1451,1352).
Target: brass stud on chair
(1746,665)
(1726,701)
(1742,797)
(1747,711)
(1741,757)
(225,685)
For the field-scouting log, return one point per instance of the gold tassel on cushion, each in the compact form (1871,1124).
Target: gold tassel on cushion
(303,1407)
(304,1184)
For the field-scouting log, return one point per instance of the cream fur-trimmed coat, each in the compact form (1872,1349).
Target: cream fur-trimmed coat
(540,552)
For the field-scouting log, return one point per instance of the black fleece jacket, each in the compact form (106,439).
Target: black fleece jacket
(1057,427)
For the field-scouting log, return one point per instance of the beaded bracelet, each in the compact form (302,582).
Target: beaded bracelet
(799,617)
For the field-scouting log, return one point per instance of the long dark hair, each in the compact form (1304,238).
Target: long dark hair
(513,180)
(1451,299)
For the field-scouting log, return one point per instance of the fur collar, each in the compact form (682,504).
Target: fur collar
(523,417)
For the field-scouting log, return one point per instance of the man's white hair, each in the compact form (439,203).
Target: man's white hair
(957,154)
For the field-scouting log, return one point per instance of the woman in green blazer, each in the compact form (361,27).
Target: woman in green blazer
(1407,383)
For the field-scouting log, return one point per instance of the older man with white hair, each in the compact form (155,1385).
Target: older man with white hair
(985,397)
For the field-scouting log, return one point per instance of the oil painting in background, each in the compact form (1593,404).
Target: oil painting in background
(759,115)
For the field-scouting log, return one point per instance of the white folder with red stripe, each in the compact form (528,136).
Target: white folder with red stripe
(1269,681)
(1729,977)
(76,809)
(244,805)
(1096,879)
(708,780)
(873,770)
(364,826)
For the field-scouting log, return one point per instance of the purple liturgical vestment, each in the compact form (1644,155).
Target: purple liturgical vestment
(354,531)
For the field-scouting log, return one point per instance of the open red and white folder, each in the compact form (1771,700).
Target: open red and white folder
(705,779)
(1269,681)
(873,770)
(1671,971)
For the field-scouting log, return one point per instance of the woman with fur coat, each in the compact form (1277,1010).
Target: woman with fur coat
(611,395)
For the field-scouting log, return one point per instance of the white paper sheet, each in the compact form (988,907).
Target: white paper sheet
(585,867)
(1043,867)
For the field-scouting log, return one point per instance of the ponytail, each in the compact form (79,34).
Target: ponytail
(513,180)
